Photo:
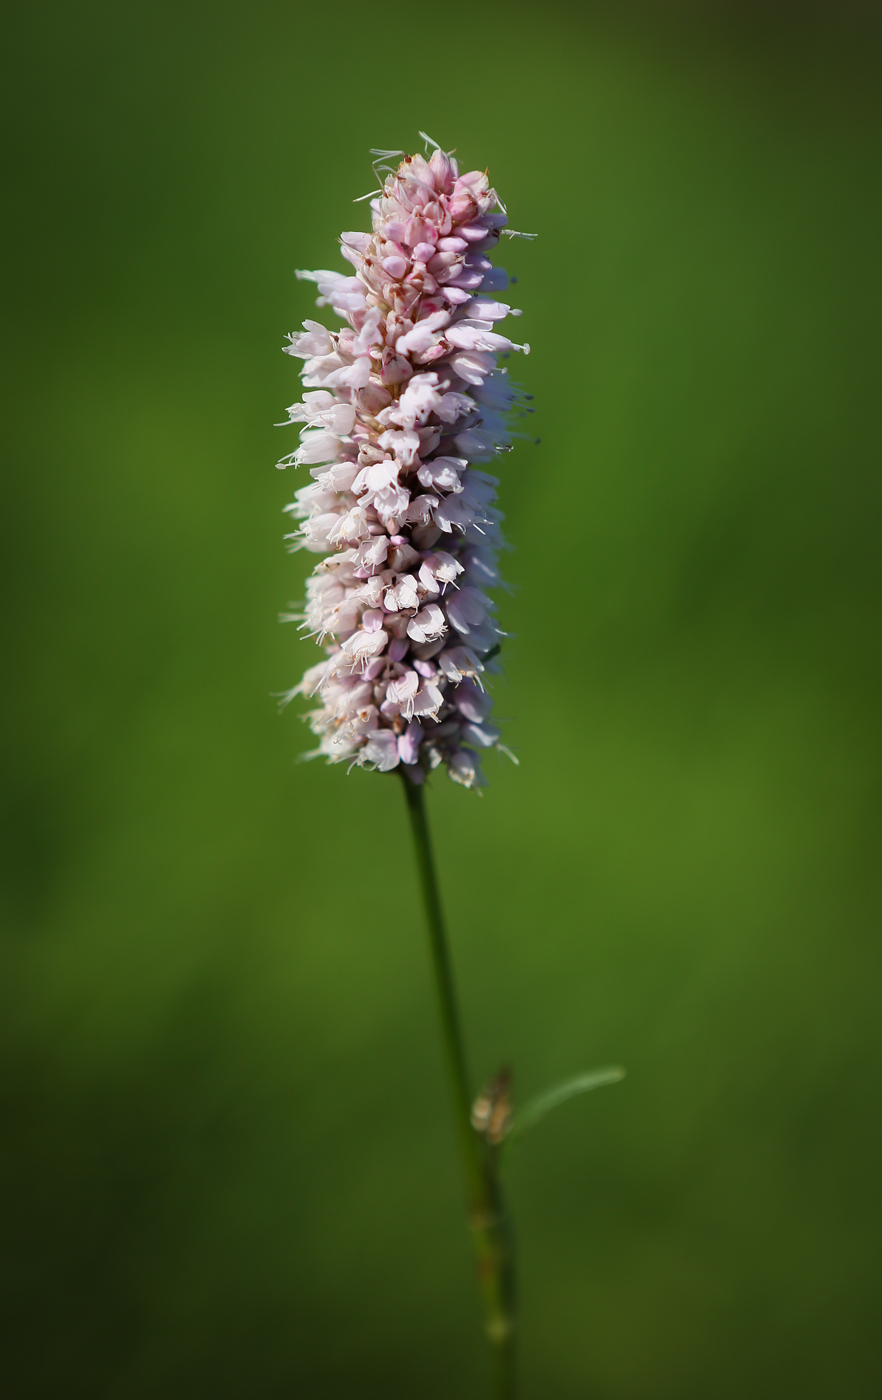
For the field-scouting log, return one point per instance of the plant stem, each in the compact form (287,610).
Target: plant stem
(490,1235)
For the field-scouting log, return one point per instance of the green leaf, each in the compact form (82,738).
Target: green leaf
(537,1108)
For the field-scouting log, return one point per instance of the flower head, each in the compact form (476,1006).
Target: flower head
(403,401)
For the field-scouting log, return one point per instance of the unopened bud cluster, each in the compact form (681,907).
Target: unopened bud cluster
(403,401)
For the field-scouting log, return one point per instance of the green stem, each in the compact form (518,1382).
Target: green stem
(490,1236)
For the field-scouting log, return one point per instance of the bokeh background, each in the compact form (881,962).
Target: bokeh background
(228,1165)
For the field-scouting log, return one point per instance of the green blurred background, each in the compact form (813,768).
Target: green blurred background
(228,1164)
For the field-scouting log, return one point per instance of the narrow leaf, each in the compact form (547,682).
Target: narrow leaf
(537,1108)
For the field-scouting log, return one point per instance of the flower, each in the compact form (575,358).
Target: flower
(403,402)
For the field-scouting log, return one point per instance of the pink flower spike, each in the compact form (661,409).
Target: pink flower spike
(409,532)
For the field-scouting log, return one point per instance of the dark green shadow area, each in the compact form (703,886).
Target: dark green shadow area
(228,1169)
